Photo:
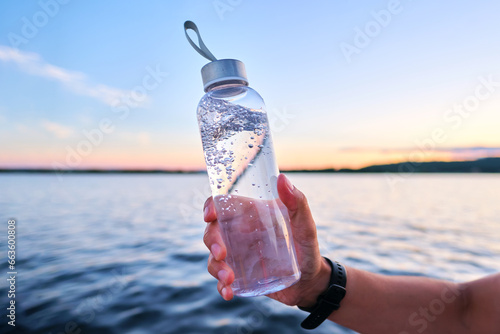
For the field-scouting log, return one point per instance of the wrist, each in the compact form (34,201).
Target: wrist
(316,285)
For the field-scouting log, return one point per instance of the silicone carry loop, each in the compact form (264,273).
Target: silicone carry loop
(202,49)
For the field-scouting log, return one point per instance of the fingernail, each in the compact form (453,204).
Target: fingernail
(215,249)
(205,211)
(222,275)
(223,292)
(289,185)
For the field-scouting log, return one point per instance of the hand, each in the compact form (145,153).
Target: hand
(315,271)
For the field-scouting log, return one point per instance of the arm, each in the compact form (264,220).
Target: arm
(373,303)
(400,304)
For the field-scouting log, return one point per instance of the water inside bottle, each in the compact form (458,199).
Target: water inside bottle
(260,247)
(243,174)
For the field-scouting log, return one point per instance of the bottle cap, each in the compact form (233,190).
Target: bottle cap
(222,70)
(217,71)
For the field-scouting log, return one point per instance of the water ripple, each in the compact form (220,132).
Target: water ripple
(124,253)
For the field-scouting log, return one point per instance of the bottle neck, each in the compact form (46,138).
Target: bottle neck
(226,84)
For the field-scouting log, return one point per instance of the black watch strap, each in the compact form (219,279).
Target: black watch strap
(329,300)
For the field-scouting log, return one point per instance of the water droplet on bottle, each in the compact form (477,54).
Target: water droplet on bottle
(250,145)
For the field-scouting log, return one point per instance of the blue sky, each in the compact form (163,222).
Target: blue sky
(346,83)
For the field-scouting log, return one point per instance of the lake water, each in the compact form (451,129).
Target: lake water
(124,253)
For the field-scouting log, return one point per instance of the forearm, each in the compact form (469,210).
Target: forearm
(400,304)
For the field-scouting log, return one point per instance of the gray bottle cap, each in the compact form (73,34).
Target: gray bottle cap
(222,70)
(217,71)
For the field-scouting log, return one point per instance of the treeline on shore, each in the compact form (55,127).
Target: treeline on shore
(485,165)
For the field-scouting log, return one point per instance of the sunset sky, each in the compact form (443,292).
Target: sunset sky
(346,83)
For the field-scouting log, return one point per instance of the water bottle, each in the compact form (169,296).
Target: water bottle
(243,173)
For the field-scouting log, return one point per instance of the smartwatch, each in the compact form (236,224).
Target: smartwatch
(329,300)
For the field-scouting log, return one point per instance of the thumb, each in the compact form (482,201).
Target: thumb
(301,220)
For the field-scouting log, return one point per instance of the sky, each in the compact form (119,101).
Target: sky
(115,84)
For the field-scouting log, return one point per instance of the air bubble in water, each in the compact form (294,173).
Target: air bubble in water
(227,136)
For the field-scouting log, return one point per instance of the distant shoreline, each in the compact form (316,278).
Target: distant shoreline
(485,165)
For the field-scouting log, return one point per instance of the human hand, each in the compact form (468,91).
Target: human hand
(315,272)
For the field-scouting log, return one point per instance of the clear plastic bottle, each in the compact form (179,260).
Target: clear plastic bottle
(243,175)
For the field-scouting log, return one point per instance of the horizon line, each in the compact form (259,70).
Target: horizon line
(203,171)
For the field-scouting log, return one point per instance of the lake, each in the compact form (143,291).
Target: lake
(123,253)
